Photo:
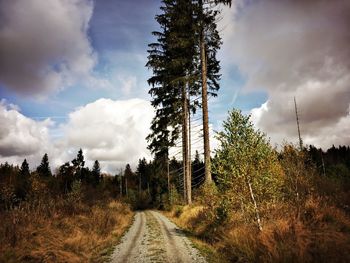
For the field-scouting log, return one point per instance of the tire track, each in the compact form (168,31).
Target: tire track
(124,252)
(153,238)
(179,248)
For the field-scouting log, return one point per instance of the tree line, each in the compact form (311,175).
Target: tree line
(17,182)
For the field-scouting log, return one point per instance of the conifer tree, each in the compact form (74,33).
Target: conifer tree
(209,43)
(22,185)
(78,164)
(142,173)
(24,171)
(172,61)
(79,161)
(44,168)
(96,173)
(188,36)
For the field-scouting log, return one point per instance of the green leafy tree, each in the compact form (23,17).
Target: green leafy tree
(246,165)
(44,168)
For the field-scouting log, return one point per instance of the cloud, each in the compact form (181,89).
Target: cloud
(112,132)
(128,84)
(44,45)
(21,137)
(295,48)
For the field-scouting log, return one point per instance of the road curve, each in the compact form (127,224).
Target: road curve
(153,238)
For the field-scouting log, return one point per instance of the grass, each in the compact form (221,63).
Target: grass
(62,232)
(181,216)
(320,234)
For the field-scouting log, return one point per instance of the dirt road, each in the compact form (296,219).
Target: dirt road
(153,238)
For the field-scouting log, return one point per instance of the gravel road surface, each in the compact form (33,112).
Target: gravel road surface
(154,238)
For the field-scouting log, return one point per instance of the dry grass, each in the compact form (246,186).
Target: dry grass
(320,234)
(56,233)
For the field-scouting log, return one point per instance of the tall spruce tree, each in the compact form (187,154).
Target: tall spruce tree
(174,76)
(96,173)
(209,43)
(188,36)
(24,171)
(78,164)
(44,168)
(22,185)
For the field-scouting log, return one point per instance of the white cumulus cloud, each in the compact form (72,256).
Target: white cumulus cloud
(112,132)
(21,137)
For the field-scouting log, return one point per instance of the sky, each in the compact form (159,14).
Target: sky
(73,75)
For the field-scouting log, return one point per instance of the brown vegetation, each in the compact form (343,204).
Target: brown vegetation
(321,234)
(309,223)
(56,230)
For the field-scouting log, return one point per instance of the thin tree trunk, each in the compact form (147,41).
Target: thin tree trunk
(297,117)
(187,185)
(323,167)
(168,175)
(121,185)
(208,178)
(297,194)
(184,161)
(140,183)
(255,204)
(126,186)
(189,164)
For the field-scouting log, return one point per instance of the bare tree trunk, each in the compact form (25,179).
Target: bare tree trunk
(297,117)
(168,175)
(184,161)
(189,165)
(203,58)
(126,186)
(140,182)
(121,182)
(323,167)
(254,203)
(187,189)
(121,185)
(297,198)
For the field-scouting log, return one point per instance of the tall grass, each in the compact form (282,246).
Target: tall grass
(61,230)
(320,234)
(310,222)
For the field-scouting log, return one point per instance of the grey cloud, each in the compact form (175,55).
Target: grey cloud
(296,48)
(44,44)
